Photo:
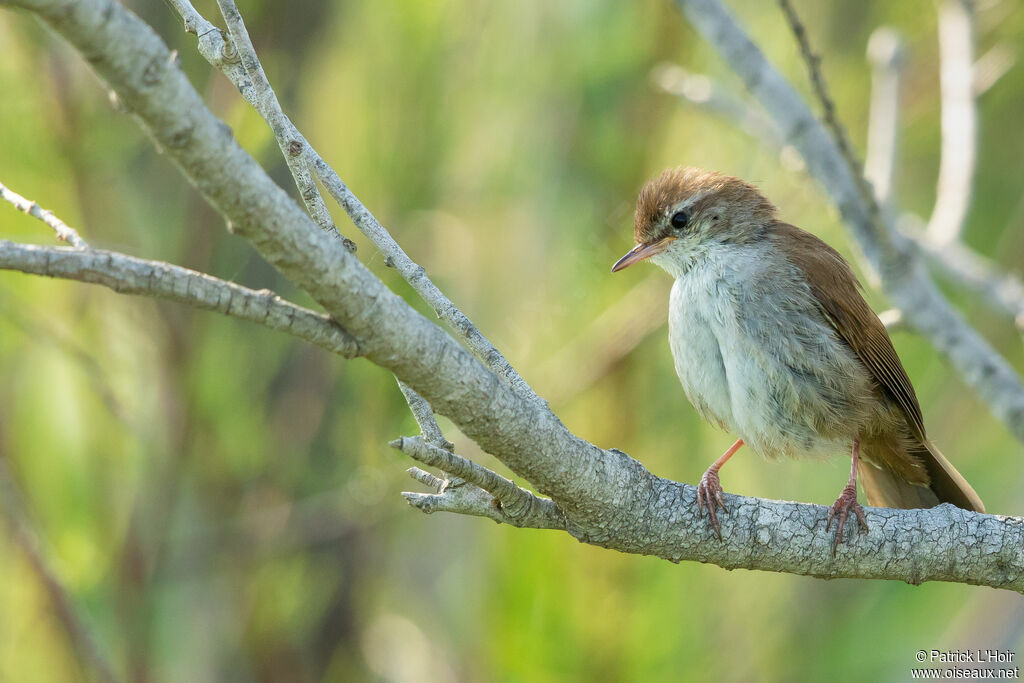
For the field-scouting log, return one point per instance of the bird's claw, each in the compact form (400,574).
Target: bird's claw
(709,494)
(840,510)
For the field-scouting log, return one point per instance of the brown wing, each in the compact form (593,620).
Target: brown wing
(838,292)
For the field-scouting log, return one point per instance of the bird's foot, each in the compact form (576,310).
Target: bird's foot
(840,510)
(709,494)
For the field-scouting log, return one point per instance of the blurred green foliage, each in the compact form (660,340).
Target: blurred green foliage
(219,499)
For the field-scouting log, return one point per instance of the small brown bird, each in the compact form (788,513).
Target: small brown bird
(774,342)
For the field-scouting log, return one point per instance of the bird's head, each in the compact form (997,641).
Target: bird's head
(685,211)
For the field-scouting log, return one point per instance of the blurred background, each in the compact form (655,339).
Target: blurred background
(219,500)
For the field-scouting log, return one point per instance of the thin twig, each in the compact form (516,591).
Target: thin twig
(270,109)
(130,275)
(16,512)
(831,118)
(453,493)
(416,276)
(424,416)
(470,488)
(940,241)
(428,479)
(468,499)
(212,46)
(959,122)
(517,505)
(194,21)
(63,230)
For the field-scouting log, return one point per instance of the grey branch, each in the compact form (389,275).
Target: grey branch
(266,102)
(424,416)
(831,118)
(474,489)
(458,497)
(906,545)
(607,498)
(194,21)
(212,46)
(64,232)
(130,275)
(959,121)
(903,278)
(505,501)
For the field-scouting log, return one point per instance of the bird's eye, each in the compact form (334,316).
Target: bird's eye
(679,220)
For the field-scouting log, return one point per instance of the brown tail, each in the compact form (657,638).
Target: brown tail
(885,489)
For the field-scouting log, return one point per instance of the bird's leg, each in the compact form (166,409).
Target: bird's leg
(709,490)
(847,501)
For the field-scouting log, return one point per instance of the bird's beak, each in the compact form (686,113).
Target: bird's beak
(641,252)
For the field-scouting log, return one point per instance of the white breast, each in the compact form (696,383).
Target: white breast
(760,360)
(695,348)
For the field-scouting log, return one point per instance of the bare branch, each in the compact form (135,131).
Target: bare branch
(504,502)
(461,498)
(130,275)
(886,52)
(959,121)
(999,291)
(194,21)
(16,514)
(265,102)
(126,53)
(417,278)
(270,109)
(466,499)
(63,230)
(907,545)
(474,490)
(831,116)
(427,479)
(424,416)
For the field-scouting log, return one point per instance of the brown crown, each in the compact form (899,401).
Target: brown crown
(720,193)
